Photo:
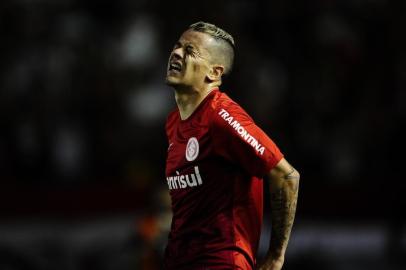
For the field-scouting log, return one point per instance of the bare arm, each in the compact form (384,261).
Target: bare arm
(284,187)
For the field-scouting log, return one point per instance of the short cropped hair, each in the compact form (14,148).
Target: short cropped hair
(225,40)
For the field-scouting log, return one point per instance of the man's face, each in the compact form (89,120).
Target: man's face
(189,62)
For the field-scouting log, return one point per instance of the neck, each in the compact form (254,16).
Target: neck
(188,100)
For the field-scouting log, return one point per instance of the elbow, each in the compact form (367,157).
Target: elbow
(293,175)
(293,180)
(297,174)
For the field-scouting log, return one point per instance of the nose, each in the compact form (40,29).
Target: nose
(178,53)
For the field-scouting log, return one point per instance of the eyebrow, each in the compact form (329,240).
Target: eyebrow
(187,44)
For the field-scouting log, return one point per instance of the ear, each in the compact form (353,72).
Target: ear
(215,73)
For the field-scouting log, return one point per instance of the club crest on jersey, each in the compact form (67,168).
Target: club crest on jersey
(192,149)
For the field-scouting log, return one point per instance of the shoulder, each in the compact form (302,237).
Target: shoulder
(171,119)
(225,111)
(172,115)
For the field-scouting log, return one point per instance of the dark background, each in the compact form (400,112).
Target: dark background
(83,105)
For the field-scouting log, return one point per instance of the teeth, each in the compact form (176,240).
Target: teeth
(175,66)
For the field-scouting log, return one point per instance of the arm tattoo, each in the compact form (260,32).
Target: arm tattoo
(291,174)
(283,205)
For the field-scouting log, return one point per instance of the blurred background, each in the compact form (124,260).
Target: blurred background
(83,105)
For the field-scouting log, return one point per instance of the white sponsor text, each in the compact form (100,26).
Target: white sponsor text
(185,180)
(242,131)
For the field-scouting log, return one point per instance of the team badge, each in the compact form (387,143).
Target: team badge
(192,149)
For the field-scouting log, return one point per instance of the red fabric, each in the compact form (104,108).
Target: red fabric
(216,159)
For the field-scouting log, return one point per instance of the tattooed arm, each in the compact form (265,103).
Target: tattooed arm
(284,187)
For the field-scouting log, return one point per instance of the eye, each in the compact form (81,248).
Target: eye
(189,49)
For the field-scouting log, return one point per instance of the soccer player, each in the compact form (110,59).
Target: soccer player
(217,157)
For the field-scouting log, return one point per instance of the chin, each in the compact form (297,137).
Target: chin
(171,81)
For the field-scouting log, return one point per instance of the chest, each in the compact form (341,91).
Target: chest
(189,145)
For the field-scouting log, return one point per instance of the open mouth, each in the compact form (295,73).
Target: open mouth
(175,66)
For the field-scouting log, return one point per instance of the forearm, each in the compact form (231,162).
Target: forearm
(284,189)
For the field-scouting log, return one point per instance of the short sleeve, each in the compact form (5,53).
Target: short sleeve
(238,139)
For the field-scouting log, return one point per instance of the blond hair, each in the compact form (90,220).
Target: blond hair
(213,31)
(225,40)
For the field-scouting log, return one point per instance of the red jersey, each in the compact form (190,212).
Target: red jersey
(215,164)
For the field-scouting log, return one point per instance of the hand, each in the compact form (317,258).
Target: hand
(271,264)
